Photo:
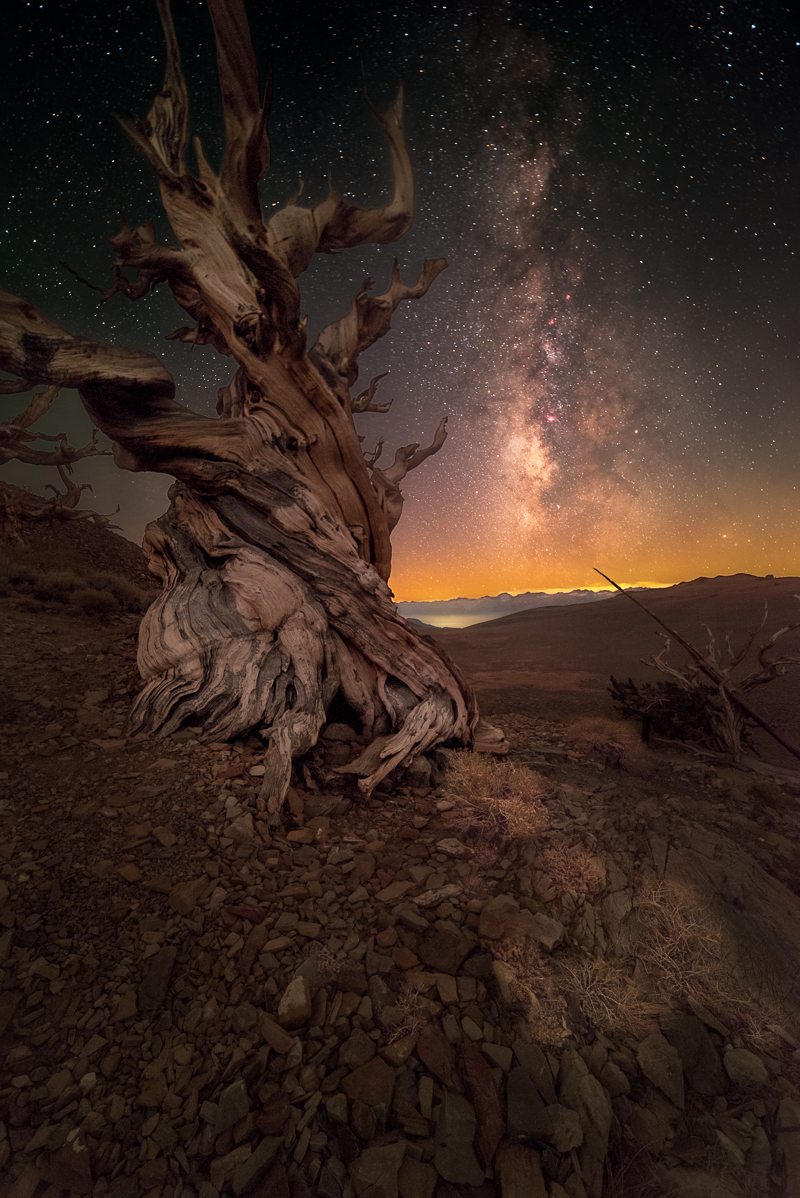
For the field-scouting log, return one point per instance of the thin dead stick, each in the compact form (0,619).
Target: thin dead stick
(707,669)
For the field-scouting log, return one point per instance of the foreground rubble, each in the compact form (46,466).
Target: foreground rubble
(378,998)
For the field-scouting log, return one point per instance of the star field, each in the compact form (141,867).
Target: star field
(615,188)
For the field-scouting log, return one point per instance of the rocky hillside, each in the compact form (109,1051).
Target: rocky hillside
(573,974)
(74,545)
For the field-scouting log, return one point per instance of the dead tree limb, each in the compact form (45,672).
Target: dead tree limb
(730,692)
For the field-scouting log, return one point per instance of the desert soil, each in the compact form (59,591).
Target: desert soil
(384,997)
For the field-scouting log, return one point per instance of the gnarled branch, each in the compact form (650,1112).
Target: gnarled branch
(407,457)
(363,401)
(338,346)
(297,233)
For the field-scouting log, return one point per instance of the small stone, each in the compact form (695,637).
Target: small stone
(744,1068)
(662,1066)
(580,1091)
(336,1106)
(500,1054)
(155,980)
(483,1095)
(374,1173)
(126,1006)
(548,932)
(165,836)
(294,1008)
(275,1115)
(253,1169)
(371,1084)
(497,916)
(532,1058)
(356,1050)
(454,1157)
(233,1105)
(416,1179)
(445,949)
(70,1167)
(519,1172)
(129,872)
(57,1084)
(527,1115)
(452,847)
(436,1054)
(567,1129)
(692,1042)
(393,891)
(184,897)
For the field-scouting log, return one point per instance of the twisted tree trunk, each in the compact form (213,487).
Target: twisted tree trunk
(275,553)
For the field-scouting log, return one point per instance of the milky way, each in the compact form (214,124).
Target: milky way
(615,341)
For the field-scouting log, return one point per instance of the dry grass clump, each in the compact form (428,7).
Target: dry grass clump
(630,1173)
(531,985)
(572,868)
(608,996)
(94,593)
(686,953)
(674,950)
(680,945)
(497,800)
(540,987)
(615,742)
(410,1013)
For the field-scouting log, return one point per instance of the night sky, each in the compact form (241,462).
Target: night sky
(615,186)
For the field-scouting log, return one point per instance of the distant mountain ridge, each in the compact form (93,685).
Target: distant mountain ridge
(491,607)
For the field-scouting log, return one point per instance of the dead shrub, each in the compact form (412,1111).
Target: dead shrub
(533,988)
(497,800)
(608,996)
(411,1013)
(95,594)
(680,946)
(572,868)
(94,603)
(686,952)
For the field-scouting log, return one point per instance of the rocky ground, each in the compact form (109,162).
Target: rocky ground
(404,996)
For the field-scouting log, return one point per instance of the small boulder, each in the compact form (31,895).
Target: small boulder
(454,1157)
(374,1173)
(661,1065)
(744,1068)
(294,1008)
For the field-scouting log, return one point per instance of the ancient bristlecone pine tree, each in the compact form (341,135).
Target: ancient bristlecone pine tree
(275,552)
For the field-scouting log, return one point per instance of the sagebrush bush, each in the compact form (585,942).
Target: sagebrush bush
(497,799)
(96,594)
(94,602)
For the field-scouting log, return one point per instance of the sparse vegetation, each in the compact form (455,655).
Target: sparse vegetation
(608,995)
(685,953)
(411,1013)
(94,593)
(497,800)
(667,709)
(572,868)
(686,707)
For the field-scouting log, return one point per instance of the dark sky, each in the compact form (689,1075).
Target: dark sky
(615,186)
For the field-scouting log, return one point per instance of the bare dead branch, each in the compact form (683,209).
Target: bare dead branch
(372,456)
(298,233)
(363,401)
(729,692)
(407,457)
(246,144)
(338,346)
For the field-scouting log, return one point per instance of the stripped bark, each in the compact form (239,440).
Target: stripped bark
(275,553)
